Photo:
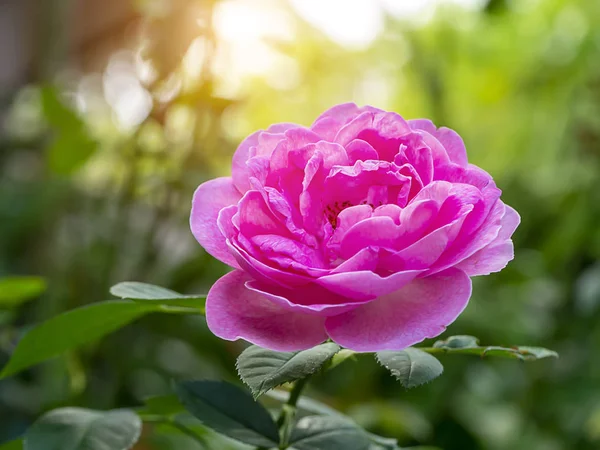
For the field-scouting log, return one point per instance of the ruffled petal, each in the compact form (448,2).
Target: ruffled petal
(248,149)
(328,124)
(209,199)
(235,312)
(421,310)
(448,138)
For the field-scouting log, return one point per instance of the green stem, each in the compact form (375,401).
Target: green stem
(285,422)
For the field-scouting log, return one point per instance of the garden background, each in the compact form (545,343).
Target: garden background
(113,111)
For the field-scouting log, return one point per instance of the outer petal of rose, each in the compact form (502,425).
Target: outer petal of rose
(421,310)
(236,312)
(239,170)
(454,145)
(497,255)
(467,245)
(210,198)
(311,299)
(365,285)
(422,124)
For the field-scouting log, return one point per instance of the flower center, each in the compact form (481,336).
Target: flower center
(332,210)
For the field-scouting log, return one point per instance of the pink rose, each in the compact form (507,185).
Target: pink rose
(363,228)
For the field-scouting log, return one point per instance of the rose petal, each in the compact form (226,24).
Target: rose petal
(454,145)
(264,272)
(497,255)
(365,285)
(373,232)
(421,310)
(311,299)
(236,312)
(210,198)
(328,124)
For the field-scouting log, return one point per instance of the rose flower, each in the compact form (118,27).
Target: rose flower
(364,228)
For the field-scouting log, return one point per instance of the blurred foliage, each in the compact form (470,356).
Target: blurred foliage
(97,171)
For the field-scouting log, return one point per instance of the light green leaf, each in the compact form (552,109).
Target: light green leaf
(533,353)
(17,290)
(73,144)
(73,329)
(263,370)
(84,429)
(69,151)
(411,366)
(328,433)
(230,411)
(340,357)
(136,291)
(458,342)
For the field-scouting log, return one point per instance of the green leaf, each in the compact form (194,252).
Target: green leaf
(163,405)
(533,353)
(468,345)
(340,357)
(380,442)
(411,366)
(73,329)
(328,433)
(458,342)
(73,144)
(263,370)
(311,406)
(69,151)
(136,291)
(17,290)
(12,445)
(84,429)
(229,410)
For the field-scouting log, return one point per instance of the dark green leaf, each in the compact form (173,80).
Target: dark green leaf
(311,406)
(17,290)
(328,433)
(73,329)
(137,291)
(263,370)
(84,429)
(229,410)
(410,366)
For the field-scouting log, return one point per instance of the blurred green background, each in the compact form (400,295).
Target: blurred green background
(113,111)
